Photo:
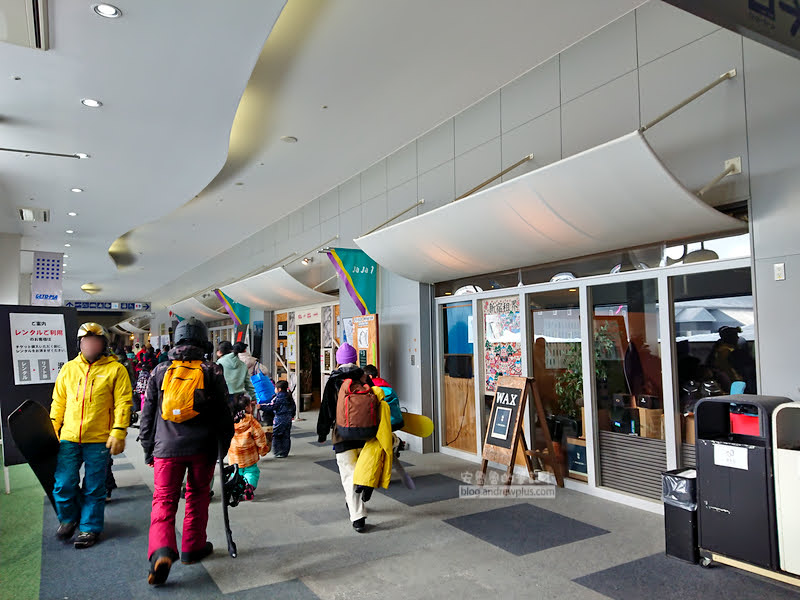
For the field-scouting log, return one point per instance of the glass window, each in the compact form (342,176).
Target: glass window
(714,342)
(558,371)
(630,409)
(458,409)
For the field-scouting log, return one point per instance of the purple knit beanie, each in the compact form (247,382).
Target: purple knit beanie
(346,354)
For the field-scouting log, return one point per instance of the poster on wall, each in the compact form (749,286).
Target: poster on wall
(502,339)
(327,326)
(347,331)
(291,350)
(282,330)
(46,283)
(38,347)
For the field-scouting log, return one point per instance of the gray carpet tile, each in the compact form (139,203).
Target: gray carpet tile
(304,434)
(524,528)
(117,566)
(332,466)
(121,466)
(430,488)
(659,577)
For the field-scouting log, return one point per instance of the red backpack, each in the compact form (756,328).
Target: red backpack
(357,411)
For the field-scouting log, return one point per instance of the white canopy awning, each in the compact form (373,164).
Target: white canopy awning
(274,290)
(192,307)
(615,196)
(130,328)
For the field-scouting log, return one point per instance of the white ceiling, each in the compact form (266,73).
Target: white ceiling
(388,71)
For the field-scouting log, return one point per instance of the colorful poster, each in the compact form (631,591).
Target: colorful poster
(502,339)
(38,347)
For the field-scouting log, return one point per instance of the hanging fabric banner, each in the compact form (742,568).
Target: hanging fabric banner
(238,312)
(359,273)
(46,282)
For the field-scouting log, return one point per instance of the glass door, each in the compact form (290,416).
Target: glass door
(458,409)
(558,371)
(628,389)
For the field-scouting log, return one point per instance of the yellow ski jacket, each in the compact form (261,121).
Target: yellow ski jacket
(374,466)
(91,401)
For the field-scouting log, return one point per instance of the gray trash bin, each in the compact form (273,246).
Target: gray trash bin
(679,493)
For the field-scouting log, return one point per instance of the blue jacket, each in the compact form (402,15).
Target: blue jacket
(284,407)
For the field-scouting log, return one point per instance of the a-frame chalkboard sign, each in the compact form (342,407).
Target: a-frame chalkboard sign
(504,434)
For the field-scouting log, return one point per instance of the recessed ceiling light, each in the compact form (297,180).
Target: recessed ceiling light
(77,190)
(289,139)
(82,155)
(72,214)
(16,78)
(239,183)
(107,10)
(91,103)
(70,231)
(66,256)
(67,245)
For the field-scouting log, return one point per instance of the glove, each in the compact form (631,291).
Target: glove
(116,446)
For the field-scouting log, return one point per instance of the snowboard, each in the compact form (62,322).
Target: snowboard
(227,499)
(32,432)
(404,477)
(418,425)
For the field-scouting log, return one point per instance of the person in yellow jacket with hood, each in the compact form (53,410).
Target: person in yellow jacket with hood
(91,411)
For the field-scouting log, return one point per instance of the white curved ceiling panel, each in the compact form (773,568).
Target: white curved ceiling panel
(274,290)
(170,76)
(617,195)
(192,307)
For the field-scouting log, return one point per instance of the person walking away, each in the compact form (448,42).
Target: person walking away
(164,356)
(284,409)
(90,413)
(235,373)
(248,445)
(185,423)
(346,451)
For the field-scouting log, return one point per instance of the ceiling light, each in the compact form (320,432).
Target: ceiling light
(66,256)
(72,214)
(108,11)
(573,289)
(91,288)
(307,260)
(26,214)
(91,103)
(289,139)
(67,245)
(70,231)
(76,190)
(82,155)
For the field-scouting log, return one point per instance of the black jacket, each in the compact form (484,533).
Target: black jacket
(326,422)
(203,434)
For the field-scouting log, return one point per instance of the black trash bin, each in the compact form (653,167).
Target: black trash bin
(679,493)
(735,490)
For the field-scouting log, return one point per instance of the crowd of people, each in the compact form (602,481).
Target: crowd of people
(191,410)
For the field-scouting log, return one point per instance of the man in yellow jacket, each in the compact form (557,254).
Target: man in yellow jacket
(90,413)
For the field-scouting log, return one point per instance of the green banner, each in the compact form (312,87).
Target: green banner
(359,273)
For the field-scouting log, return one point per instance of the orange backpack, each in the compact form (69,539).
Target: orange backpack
(182,379)
(357,411)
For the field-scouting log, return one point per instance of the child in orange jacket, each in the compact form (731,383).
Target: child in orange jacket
(248,445)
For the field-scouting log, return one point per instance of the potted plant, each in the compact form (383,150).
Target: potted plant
(569,383)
